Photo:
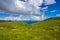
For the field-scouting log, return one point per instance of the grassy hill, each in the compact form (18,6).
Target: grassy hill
(48,29)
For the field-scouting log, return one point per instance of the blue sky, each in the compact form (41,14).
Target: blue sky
(52,10)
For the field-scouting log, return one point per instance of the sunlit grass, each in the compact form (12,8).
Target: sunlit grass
(45,30)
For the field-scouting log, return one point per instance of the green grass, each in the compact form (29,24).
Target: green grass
(46,30)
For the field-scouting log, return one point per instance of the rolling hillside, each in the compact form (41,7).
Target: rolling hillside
(48,29)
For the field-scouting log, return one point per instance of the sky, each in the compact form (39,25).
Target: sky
(29,9)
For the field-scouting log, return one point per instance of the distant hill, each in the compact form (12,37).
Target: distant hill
(48,29)
(48,22)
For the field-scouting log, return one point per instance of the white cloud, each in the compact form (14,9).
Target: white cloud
(45,8)
(22,17)
(35,18)
(16,6)
(53,11)
(49,2)
(28,10)
(35,2)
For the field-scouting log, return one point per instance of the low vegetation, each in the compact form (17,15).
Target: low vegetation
(45,30)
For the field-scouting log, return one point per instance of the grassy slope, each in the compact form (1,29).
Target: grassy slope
(46,30)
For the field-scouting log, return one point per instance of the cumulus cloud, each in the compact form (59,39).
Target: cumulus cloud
(17,6)
(30,9)
(49,2)
(21,18)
